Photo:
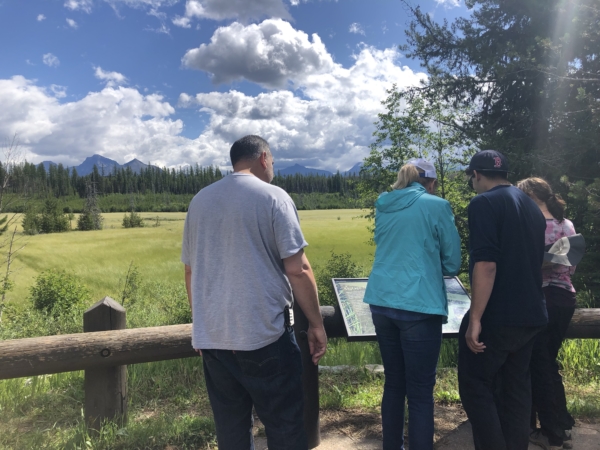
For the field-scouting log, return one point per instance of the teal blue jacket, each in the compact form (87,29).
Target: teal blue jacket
(417,244)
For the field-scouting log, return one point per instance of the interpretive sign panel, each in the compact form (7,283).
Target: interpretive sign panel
(357,314)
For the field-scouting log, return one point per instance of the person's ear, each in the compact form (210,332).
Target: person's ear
(263,160)
(434,185)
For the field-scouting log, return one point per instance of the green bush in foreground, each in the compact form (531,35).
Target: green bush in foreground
(57,293)
(338,266)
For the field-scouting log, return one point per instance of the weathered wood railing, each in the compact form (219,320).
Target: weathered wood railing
(106,348)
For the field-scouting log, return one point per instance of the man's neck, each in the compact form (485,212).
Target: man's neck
(491,184)
(246,171)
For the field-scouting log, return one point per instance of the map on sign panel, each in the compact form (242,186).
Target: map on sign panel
(357,314)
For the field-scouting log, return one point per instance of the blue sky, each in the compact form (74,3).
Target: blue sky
(175,82)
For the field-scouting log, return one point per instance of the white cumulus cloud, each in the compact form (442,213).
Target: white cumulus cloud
(58,90)
(50,60)
(325,122)
(41,17)
(242,10)
(110,78)
(72,23)
(183,22)
(117,122)
(269,53)
(356,28)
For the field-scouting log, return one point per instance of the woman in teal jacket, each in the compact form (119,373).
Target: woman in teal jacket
(417,244)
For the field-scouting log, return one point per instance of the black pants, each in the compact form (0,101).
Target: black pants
(548,392)
(495,386)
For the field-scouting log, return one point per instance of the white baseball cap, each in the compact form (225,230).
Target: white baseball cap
(425,166)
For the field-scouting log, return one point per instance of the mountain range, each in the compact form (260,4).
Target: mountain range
(106,166)
(302,170)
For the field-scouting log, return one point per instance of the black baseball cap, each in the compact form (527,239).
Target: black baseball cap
(488,161)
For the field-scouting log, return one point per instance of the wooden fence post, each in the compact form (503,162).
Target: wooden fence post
(310,381)
(106,387)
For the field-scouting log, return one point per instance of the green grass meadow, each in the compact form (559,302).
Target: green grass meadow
(101,258)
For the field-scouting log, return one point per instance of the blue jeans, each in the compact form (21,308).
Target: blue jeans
(270,379)
(410,351)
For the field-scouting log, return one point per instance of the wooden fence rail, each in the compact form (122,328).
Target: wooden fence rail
(104,355)
(83,351)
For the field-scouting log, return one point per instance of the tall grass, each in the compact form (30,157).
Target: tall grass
(343,353)
(168,405)
(101,258)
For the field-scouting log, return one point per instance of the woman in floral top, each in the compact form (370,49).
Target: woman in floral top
(548,392)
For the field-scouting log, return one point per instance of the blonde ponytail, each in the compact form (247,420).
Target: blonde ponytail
(406,175)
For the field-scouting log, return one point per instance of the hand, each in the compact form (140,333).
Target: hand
(198,351)
(317,342)
(472,337)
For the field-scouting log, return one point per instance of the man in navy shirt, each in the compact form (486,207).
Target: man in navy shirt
(506,245)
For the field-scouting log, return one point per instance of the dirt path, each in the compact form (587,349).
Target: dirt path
(357,430)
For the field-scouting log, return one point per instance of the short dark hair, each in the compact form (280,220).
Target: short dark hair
(248,148)
(491,174)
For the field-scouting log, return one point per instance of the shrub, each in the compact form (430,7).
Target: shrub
(58,293)
(131,285)
(133,220)
(23,321)
(338,266)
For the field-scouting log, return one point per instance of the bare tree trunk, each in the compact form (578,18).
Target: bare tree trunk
(5,283)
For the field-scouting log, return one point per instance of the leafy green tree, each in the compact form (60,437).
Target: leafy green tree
(419,125)
(583,208)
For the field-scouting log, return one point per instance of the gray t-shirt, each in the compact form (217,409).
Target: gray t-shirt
(237,231)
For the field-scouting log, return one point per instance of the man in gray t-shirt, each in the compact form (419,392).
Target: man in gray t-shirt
(243,255)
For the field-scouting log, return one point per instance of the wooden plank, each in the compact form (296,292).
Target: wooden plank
(585,324)
(69,352)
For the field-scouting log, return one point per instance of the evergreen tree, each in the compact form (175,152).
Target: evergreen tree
(91,217)
(31,221)
(533,68)
(53,219)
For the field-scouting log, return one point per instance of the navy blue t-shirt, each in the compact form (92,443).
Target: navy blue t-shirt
(507,227)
